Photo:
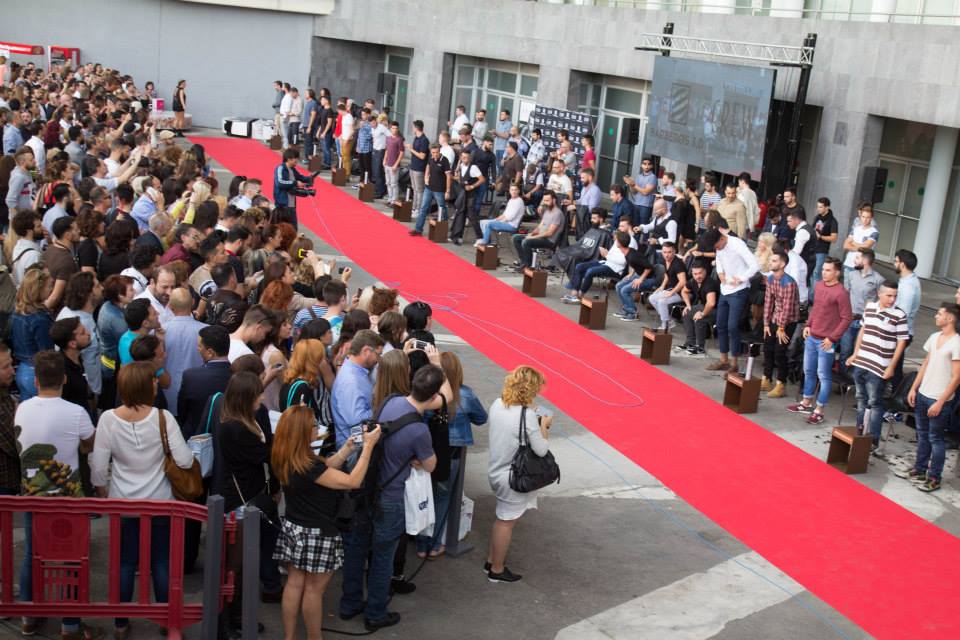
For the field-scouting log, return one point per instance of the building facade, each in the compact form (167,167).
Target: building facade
(884,90)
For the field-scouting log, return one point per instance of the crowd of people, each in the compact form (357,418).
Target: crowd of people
(148,312)
(153,319)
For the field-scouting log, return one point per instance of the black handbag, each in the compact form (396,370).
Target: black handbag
(528,471)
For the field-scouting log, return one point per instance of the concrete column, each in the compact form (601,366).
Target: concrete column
(720,6)
(553,86)
(882,10)
(934,199)
(426,80)
(786,9)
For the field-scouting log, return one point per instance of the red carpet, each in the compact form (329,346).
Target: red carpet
(887,570)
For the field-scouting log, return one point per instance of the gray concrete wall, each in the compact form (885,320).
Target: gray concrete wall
(347,68)
(228,56)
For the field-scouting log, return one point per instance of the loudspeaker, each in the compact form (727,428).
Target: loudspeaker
(386,82)
(630,131)
(874,184)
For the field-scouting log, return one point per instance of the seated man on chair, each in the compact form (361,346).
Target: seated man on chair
(588,246)
(612,265)
(700,302)
(509,220)
(545,236)
(674,280)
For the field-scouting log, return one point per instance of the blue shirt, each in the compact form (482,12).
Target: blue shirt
(412,441)
(421,145)
(143,209)
(123,347)
(503,126)
(308,110)
(646,180)
(30,334)
(590,197)
(350,400)
(180,341)
(12,140)
(365,138)
(111,326)
(470,411)
(908,298)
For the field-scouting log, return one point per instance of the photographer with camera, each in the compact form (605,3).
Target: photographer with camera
(287,181)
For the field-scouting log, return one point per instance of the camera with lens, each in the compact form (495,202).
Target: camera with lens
(304,192)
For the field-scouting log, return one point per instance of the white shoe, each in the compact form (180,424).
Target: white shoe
(479,243)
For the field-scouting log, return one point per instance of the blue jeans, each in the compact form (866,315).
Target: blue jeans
(428,198)
(847,343)
(25,381)
(479,194)
(379,177)
(379,539)
(309,141)
(499,164)
(585,272)
(869,396)
(442,492)
(489,226)
(326,146)
(26,570)
(729,311)
(931,447)
(817,364)
(130,558)
(625,292)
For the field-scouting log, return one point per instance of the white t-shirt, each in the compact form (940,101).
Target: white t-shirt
(110,184)
(54,422)
(164,314)
(560,185)
(346,126)
(238,348)
(513,214)
(447,152)
(860,234)
(797,269)
(940,367)
(113,167)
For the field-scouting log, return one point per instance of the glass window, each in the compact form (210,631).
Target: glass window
(913,199)
(907,11)
(624,101)
(465,75)
(463,95)
(886,225)
(528,85)
(896,172)
(507,103)
(399,65)
(810,8)
(907,139)
(938,8)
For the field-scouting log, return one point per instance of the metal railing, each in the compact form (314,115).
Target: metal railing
(766,11)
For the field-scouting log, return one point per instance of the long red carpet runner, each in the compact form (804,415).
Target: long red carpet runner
(887,570)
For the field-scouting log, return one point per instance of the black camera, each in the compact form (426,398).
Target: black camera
(304,192)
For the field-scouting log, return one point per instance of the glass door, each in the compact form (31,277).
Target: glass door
(887,211)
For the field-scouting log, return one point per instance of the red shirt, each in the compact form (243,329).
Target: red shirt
(174,253)
(337,128)
(589,160)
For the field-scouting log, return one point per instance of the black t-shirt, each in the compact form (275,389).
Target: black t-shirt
(76,389)
(684,213)
(825,226)
(484,160)
(325,115)
(88,253)
(437,174)
(112,264)
(673,272)
(698,292)
(309,504)
(637,260)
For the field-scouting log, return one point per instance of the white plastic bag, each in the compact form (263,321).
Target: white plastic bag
(418,503)
(202,447)
(466,517)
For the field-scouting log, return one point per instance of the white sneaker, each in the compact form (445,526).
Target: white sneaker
(479,243)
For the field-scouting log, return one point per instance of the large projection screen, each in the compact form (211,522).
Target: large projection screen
(710,115)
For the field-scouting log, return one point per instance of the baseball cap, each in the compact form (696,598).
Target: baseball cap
(167,135)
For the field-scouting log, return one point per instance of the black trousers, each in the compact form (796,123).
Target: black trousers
(465,212)
(775,353)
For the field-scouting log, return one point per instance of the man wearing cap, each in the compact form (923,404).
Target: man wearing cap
(167,138)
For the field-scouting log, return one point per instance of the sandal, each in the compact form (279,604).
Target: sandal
(436,554)
(421,554)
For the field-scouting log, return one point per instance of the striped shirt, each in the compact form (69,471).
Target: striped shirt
(882,330)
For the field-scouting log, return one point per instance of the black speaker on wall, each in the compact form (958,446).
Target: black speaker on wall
(630,131)
(873,185)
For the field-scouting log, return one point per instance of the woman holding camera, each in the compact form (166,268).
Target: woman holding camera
(311,547)
(520,389)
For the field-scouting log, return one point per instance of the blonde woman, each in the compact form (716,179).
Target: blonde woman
(520,389)
(30,326)
(764,251)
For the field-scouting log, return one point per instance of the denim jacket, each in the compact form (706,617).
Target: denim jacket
(30,334)
(469,411)
(111,326)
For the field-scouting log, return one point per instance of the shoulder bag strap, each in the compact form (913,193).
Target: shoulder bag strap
(213,402)
(313,314)
(163,433)
(293,388)
(523,427)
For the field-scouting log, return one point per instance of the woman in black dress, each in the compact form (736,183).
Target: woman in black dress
(179,106)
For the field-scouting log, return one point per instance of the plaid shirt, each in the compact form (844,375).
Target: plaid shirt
(781,302)
(365,138)
(9,456)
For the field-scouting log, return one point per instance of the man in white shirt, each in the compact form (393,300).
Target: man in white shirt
(445,149)
(663,228)
(747,196)
(613,264)
(346,139)
(50,428)
(39,149)
(257,323)
(294,116)
(286,104)
(114,161)
(460,119)
(380,135)
(480,125)
(98,171)
(469,178)
(250,190)
(537,151)
(158,292)
(508,221)
(736,264)
(560,183)
(26,224)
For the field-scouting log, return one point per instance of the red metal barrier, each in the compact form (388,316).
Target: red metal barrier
(61,560)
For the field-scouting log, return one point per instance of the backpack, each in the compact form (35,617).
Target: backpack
(364,502)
